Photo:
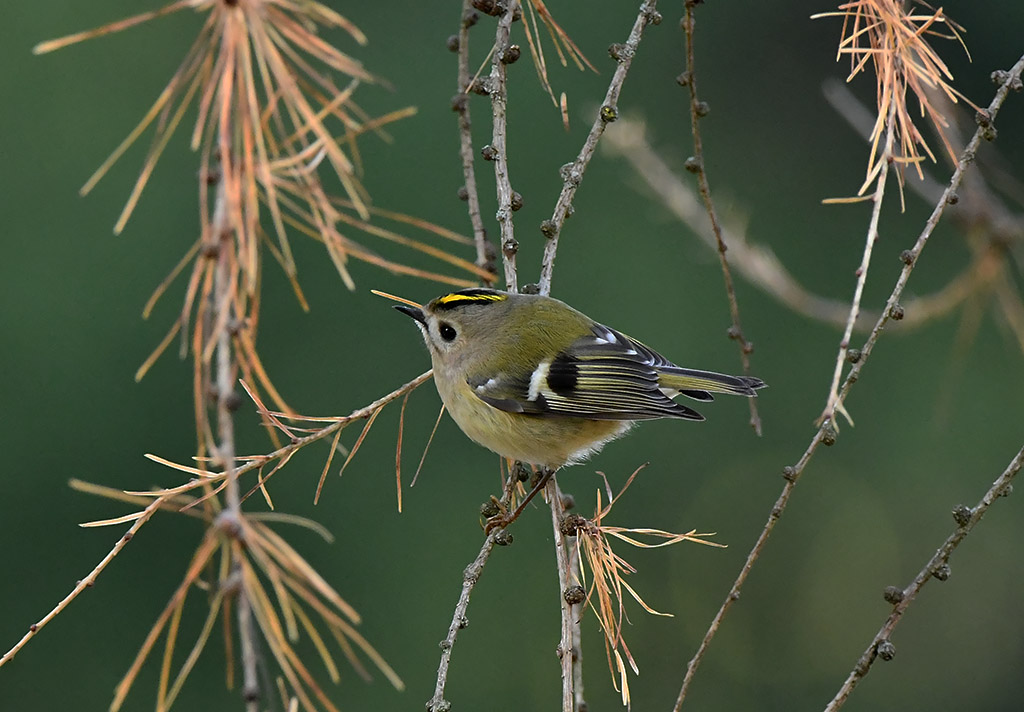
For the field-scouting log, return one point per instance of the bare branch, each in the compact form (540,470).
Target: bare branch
(825,432)
(498,149)
(363,413)
(470,576)
(698,110)
(572,173)
(912,255)
(227,402)
(966,519)
(832,405)
(88,581)
(460,103)
(568,651)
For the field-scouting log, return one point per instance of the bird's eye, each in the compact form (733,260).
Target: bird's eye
(447,331)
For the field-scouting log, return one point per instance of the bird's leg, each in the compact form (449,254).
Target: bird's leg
(503,519)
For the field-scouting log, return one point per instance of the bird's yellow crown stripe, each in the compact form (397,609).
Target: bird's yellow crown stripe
(469,297)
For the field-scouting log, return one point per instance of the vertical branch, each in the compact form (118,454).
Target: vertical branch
(225,359)
(497,152)
(227,401)
(460,103)
(577,646)
(572,173)
(568,651)
(250,658)
(698,110)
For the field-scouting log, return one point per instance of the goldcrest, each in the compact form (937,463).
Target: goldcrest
(534,380)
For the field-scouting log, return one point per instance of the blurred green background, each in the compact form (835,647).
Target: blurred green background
(933,430)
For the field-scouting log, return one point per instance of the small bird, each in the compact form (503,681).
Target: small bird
(535,380)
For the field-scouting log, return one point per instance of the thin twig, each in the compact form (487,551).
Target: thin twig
(877,198)
(567,651)
(498,90)
(966,519)
(89,580)
(572,173)
(698,109)
(484,251)
(298,443)
(912,255)
(825,432)
(980,213)
(470,576)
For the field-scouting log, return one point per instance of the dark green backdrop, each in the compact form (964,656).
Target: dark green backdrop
(932,431)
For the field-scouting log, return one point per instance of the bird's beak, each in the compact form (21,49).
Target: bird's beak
(414,312)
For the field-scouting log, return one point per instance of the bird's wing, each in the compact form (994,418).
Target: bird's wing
(604,375)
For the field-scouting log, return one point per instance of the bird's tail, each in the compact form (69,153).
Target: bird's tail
(701,384)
